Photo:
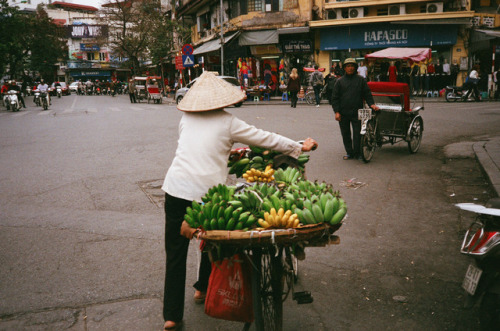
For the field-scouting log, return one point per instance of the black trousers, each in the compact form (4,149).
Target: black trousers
(352,145)
(176,247)
(132,98)
(293,98)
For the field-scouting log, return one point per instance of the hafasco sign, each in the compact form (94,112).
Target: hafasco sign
(386,37)
(383,35)
(87,31)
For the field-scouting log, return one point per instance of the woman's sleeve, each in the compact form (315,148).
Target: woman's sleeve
(244,133)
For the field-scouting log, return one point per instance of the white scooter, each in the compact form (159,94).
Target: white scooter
(12,101)
(59,91)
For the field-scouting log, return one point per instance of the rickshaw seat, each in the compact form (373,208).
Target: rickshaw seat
(153,89)
(389,87)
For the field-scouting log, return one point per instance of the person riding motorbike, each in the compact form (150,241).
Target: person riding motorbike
(15,87)
(471,84)
(44,88)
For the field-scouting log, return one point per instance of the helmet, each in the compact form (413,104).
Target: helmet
(350,61)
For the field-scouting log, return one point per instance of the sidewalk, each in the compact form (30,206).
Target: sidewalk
(488,155)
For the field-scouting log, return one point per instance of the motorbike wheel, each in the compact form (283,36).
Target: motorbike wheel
(310,98)
(415,135)
(450,96)
(179,99)
(368,142)
(489,312)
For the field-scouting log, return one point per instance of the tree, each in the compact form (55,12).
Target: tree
(29,42)
(139,31)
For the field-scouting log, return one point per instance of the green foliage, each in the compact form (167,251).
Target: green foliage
(29,41)
(140,31)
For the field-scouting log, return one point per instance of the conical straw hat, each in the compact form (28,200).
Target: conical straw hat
(210,92)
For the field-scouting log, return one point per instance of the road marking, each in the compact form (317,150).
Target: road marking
(66,111)
(74,101)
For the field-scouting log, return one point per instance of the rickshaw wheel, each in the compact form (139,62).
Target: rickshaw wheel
(368,142)
(415,133)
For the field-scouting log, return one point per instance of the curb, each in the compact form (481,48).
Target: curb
(487,162)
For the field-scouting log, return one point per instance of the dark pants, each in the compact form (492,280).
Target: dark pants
(317,93)
(472,89)
(293,98)
(132,98)
(352,145)
(176,247)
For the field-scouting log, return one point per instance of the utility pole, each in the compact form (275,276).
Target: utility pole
(221,38)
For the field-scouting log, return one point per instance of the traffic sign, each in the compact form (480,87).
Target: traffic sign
(187,49)
(178,63)
(188,60)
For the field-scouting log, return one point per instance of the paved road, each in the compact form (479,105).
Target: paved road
(81,223)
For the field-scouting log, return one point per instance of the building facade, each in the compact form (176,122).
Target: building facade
(300,33)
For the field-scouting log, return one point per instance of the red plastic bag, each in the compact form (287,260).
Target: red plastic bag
(229,293)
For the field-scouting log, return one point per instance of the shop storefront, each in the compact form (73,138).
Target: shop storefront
(358,40)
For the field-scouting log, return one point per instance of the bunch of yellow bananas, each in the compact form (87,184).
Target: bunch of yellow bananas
(254,175)
(279,219)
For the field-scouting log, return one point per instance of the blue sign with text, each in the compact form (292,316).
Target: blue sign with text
(387,35)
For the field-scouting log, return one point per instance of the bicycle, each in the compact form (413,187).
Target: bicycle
(310,97)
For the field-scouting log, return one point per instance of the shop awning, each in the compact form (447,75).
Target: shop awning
(263,37)
(490,33)
(299,29)
(213,45)
(402,53)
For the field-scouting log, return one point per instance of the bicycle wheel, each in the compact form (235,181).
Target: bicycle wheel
(267,289)
(310,98)
(415,135)
(368,142)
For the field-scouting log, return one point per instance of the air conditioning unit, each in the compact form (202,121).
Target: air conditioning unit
(356,12)
(435,7)
(399,9)
(334,14)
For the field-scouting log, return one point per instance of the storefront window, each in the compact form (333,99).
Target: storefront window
(254,5)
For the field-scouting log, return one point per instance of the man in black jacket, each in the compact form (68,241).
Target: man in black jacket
(348,94)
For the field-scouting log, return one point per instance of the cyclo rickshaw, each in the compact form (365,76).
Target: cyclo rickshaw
(395,121)
(153,89)
(140,88)
(271,252)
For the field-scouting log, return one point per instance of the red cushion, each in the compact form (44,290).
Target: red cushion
(389,87)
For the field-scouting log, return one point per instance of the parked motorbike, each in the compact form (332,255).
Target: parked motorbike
(36,98)
(44,97)
(482,279)
(458,93)
(12,101)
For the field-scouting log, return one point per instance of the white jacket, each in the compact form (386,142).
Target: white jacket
(204,145)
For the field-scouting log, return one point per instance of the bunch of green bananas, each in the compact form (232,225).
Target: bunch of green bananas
(288,176)
(219,192)
(223,209)
(218,216)
(323,209)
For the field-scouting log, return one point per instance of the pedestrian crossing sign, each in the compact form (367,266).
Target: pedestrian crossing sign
(188,60)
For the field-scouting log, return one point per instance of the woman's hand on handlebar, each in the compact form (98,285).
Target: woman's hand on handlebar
(309,145)
(187,231)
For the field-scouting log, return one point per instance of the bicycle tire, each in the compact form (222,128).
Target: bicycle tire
(267,289)
(368,142)
(310,98)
